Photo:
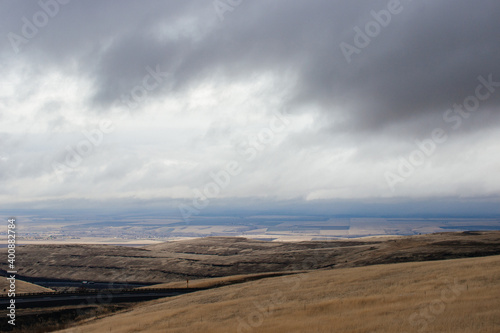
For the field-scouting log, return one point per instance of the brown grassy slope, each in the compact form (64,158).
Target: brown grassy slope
(459,295)
(217,282)
(21,287)
(226,256)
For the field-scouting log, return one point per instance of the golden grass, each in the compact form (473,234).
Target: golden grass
(461,295)
(21,287)
(217,282)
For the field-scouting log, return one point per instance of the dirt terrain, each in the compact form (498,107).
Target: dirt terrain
(225,256)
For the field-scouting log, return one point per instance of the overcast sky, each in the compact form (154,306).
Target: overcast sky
(161,103)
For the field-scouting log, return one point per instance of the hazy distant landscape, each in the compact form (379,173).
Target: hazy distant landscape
(250,166)
(228,274)
(134,230)
(226,256)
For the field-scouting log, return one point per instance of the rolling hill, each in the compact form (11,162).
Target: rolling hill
(458,295)
(226,256)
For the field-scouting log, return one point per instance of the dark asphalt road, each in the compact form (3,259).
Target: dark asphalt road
(94,297)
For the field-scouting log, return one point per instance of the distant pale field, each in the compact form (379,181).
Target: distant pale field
(142,242)
(139,242)
(89,240)
(461,295)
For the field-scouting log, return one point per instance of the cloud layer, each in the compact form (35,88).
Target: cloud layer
(183,88)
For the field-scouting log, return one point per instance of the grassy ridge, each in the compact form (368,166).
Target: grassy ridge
(459,295)
(21,287)
(227,256)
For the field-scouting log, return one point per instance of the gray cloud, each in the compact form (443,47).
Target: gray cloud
(395,90)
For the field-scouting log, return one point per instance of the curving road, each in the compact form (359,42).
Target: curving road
(93,297)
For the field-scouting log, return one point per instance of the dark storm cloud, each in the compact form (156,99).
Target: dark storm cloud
(427,58)
(349,113)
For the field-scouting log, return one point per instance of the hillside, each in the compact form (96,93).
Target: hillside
(21,287)
(440,296)
(225,256)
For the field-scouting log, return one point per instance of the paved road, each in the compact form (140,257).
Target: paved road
(51,283)
(91,285)
(96,297)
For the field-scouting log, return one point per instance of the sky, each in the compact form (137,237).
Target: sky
(383,107)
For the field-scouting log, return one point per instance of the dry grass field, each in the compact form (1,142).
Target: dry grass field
(460,295)
(217,282)
(227,256)
(21,287)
